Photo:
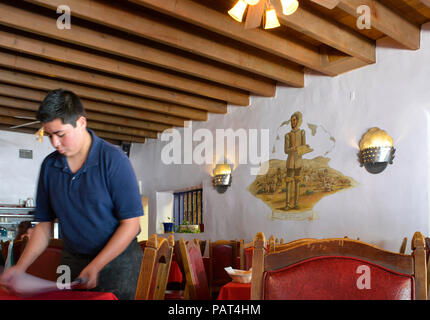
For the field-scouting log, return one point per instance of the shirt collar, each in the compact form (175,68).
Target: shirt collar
(92,158)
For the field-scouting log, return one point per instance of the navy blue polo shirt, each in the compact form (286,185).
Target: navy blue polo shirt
(90,203)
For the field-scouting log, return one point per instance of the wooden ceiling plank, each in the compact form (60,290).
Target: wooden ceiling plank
(38,96)
(89,78)
(144,26)
(36,82)
(5,127)
(16,102)
(121,130)
(426,3)
(386,21)
(202,16)
(329,4)
(9,112)
(94,39)
(96,62)
(329,32)
(118,136)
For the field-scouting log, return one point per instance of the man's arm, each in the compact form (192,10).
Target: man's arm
(127,230)
(35,246)
(37,243)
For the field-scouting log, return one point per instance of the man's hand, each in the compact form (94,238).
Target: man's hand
(8,278)
(90,275)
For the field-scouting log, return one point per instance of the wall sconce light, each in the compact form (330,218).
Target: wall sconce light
(376,150)
(222,177)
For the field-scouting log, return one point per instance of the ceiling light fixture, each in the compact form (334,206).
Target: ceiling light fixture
(270,15)
(238,10)
(289,6)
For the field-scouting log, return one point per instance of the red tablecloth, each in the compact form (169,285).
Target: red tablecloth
(175,274)
(62,295)
(235,291)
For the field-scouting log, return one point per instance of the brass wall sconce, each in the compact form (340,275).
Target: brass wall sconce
(376,150)
(222,177)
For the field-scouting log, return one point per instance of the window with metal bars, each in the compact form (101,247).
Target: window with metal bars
(188,207)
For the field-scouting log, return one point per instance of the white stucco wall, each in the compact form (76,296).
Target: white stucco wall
(393,94)
(18,176)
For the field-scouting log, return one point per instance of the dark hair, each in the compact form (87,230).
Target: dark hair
(22,229)
(61,104)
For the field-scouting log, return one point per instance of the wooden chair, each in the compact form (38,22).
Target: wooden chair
(245,254)
(403,246)
(222,253)
(273,247)
(196,281)
(338,269)
(155,267)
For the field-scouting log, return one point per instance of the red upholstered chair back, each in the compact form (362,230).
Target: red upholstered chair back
(338,269)
(45,266)
(18,248)
(195,274)
(222,253)
(155,268)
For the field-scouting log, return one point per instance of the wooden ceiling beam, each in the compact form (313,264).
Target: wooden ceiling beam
(386,21)
(57,52)
(9,112)
(340,64)
(329,32)
(94,39)
(31,106)
(102,134)
(69,73)
(117,136)
(200,15)
(38,96)
(147,27)
(36,82)
(5,127)
(99,108)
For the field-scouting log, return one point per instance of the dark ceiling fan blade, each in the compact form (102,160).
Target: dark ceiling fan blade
(27,118)
(24,125)
(254,15)
(330,4)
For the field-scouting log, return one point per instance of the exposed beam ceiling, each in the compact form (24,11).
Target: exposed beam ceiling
(144,66)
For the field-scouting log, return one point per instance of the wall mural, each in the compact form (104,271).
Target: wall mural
(292,187)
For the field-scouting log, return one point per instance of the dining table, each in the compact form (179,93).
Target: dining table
(235,291)
(60,295)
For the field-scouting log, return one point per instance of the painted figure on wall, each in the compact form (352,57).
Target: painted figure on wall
(295,146)
(299,176)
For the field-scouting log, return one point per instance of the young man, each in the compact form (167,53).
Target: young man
(90,186)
